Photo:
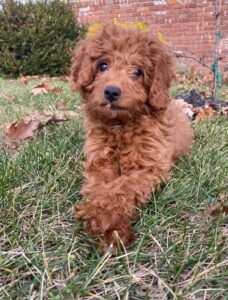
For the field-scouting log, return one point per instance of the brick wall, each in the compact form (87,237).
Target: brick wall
(187,25)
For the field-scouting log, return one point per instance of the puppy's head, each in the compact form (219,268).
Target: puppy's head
(121,72)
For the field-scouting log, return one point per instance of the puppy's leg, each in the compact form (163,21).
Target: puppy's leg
(110,206)
(96,210)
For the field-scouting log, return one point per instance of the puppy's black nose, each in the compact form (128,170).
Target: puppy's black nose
(112,93)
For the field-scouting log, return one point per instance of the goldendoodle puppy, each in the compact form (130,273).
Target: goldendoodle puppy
(134,132)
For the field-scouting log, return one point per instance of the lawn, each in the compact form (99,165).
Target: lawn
(180,251)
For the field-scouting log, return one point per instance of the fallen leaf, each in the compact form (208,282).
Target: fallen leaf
(35,77)
(62,105)
(183,87)
(3,127)
(7,97)
(191,76)
(56,90)
(42,88)
(180,78)
(199,81)
(45,88)
(26,127)
(44,78)
(206,94)
(217,209)
(64,78)
(225,78)
(207,112)
(196,110)
(47,117)
(25,79)
(207,78)
(21,130)
(224,111)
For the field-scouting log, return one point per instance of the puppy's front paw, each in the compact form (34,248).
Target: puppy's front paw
(80,210)
(111,230)
(115,240)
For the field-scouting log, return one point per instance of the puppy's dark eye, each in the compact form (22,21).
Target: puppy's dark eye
(103,67)
(137,73)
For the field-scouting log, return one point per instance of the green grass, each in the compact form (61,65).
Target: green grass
(179,252)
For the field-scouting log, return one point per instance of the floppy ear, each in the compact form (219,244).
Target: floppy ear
(82,72)
(162,77)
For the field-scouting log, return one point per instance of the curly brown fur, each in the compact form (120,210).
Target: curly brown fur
(132,142)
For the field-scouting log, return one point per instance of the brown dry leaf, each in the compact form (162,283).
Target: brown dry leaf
(26,127)
(225,78)
(42,88)
(25,79)
(192,74)
(225,93)
(199,81)
(197,110)
(21,130)
(45,88)
(62,105)
(217,209)
(224,111)
(35,77)
(47,117)
(182,87)
(44,78)
(206,93)
(207,112)
(7,97)
(64,78)
(180,78)
(56,90)
(4,127)
(207,79)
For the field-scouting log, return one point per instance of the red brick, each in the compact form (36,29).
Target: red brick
(190,26)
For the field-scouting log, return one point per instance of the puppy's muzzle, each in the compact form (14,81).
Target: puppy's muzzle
(112,93)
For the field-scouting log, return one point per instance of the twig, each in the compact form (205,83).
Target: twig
(214,67)
(192,56)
